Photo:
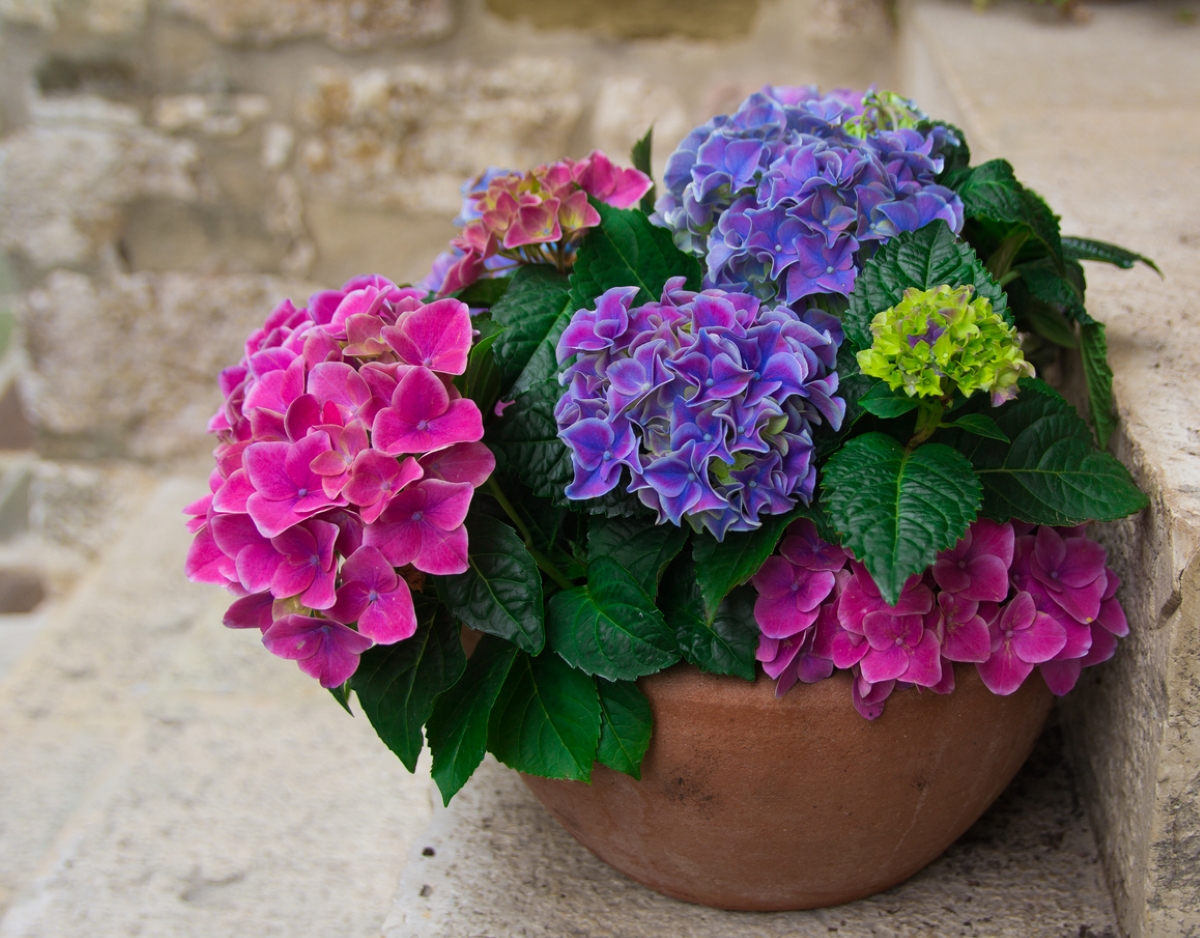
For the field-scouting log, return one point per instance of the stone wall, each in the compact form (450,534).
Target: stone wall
(168,168)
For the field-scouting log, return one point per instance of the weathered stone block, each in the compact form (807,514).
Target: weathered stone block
(344,24)
(407,137)
(64,178)
(128,366)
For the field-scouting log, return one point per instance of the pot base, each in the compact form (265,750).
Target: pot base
(755,803)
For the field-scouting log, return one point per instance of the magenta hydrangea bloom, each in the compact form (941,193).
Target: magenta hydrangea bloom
(984,602)
(976,568)
(324,649)
(1021,638)
(345,466)
(375,597)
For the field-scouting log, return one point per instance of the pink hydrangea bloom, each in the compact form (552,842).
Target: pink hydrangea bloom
(994,600)
(344,453)
(534,217)
(1021,638)
(976,568)
(789,597)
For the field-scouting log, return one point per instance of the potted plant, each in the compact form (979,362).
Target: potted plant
(750,489)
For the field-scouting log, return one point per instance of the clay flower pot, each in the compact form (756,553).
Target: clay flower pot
(749,802)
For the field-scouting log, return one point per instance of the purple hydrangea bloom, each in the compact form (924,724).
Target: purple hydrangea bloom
(704,401)
(782,196)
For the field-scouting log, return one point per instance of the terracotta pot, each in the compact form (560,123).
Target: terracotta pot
(749,802)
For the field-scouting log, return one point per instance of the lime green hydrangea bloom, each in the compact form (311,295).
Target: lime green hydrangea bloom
(935,342)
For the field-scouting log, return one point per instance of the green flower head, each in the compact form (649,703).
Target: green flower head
(884,110)
(935,342)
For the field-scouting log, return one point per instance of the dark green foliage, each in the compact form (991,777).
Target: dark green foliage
(1052,472)
(533,313)
(725,645)
(627,251)
(610,627)
(991,194)
(527,442)
(637,544)
(1085,249)
(500,592)
(626,725)
(1093,348)
(895,507)
(458,727)
(396,684)
(484,293)
(546,719)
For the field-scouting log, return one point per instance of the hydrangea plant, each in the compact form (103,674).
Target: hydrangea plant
(782,420)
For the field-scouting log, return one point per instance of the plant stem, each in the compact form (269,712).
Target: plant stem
(545,564)
(929,417)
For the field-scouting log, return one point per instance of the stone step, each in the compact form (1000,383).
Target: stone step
(496,863)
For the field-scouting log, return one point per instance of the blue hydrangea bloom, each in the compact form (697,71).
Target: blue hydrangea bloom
(784,197)
(704,401)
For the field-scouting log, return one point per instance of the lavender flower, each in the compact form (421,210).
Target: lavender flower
(782,196)
(707,400)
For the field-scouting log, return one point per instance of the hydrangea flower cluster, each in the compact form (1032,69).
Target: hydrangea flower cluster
(346,464)
(934,342)
(783,196)
(536,217)
(707,399)
(1007,597)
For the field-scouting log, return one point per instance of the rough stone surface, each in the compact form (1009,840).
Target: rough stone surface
(503,867)
(64,179)
(164,776)
(627,106)
(130,364)
(345,24)
(407,137)
(1047,95)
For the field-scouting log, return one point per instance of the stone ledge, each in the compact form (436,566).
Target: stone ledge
(496,863)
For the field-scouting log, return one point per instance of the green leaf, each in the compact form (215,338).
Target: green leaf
(924,259)
(897,508)
(727,644)
(637,544)
(992,192)
(526,438)
(481,381)
(546,720)
(458,726)
(640,155)
(883,402)
(500,592)
(625,250)
(722,565)
(610,627)
(1062,291)
(533,313)
(980,425)
(1052,472)
(1096,370)
(626,724)
(1049,323)
(341,694)
(484,293)
(1085,249)
(396,684)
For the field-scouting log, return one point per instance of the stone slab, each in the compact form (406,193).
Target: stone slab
(496,864)
(162,775)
